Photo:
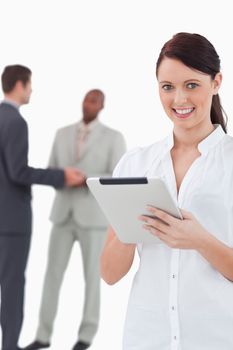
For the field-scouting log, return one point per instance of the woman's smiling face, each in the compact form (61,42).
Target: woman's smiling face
(186,94)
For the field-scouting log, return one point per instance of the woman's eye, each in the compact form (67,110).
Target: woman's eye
(167,87)
(192,85)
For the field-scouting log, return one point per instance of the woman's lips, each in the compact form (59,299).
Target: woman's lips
(183,113)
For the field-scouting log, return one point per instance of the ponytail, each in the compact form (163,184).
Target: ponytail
(217,113)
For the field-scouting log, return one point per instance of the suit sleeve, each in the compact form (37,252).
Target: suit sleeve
(16,158)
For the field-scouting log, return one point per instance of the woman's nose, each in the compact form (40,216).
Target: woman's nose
(180,97)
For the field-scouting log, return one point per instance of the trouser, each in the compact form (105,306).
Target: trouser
(61,243)
(14,250)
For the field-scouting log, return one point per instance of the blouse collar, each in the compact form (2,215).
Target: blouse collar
(205,145)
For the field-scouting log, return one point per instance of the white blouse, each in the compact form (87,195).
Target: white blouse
(178,300)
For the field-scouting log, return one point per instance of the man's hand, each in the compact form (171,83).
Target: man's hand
(74,177)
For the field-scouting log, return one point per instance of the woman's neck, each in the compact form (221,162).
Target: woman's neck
(190,138)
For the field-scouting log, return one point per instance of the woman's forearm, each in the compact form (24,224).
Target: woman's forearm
(219,255)
(116,258)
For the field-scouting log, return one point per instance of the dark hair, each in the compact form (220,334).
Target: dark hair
(12,74)
(196,52)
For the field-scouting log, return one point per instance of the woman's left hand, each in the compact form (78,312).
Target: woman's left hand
(184,234)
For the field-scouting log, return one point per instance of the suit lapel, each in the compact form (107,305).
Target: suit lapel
(73,135)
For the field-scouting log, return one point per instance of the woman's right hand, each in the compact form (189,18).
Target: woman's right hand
(116,258)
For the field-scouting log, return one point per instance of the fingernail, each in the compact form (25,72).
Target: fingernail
(149,208)
(146,227)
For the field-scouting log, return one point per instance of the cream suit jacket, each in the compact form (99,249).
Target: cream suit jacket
(103,150)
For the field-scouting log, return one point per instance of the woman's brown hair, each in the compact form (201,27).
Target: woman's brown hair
(196,52)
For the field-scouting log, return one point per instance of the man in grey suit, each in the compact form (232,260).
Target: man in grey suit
(94,149)
(16,178)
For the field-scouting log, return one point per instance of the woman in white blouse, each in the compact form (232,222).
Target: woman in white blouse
(182,294)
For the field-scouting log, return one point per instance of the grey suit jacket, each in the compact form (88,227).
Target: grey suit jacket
(103,150)
(16,177)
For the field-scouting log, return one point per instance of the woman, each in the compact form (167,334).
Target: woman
(182,294)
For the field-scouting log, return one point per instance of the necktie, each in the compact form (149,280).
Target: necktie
(82,138)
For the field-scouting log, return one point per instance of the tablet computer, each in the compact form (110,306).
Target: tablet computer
(124,199)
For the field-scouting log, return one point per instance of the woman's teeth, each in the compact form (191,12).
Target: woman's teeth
(184,111)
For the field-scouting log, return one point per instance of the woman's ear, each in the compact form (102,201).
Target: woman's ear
(217,82)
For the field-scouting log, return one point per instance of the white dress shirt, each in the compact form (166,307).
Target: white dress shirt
(12,103)
(179,301)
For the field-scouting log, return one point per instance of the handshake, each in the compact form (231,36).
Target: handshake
(74,177)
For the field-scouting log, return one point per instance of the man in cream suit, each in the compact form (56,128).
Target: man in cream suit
(94,149)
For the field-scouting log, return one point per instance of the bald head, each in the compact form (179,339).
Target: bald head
(93,103)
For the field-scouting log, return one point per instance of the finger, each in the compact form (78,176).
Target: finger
(154,231)
(155,223)
(162,215)
(168,240)
(186,214)
(164,238)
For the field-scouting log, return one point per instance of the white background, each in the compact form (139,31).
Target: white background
(73,46)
